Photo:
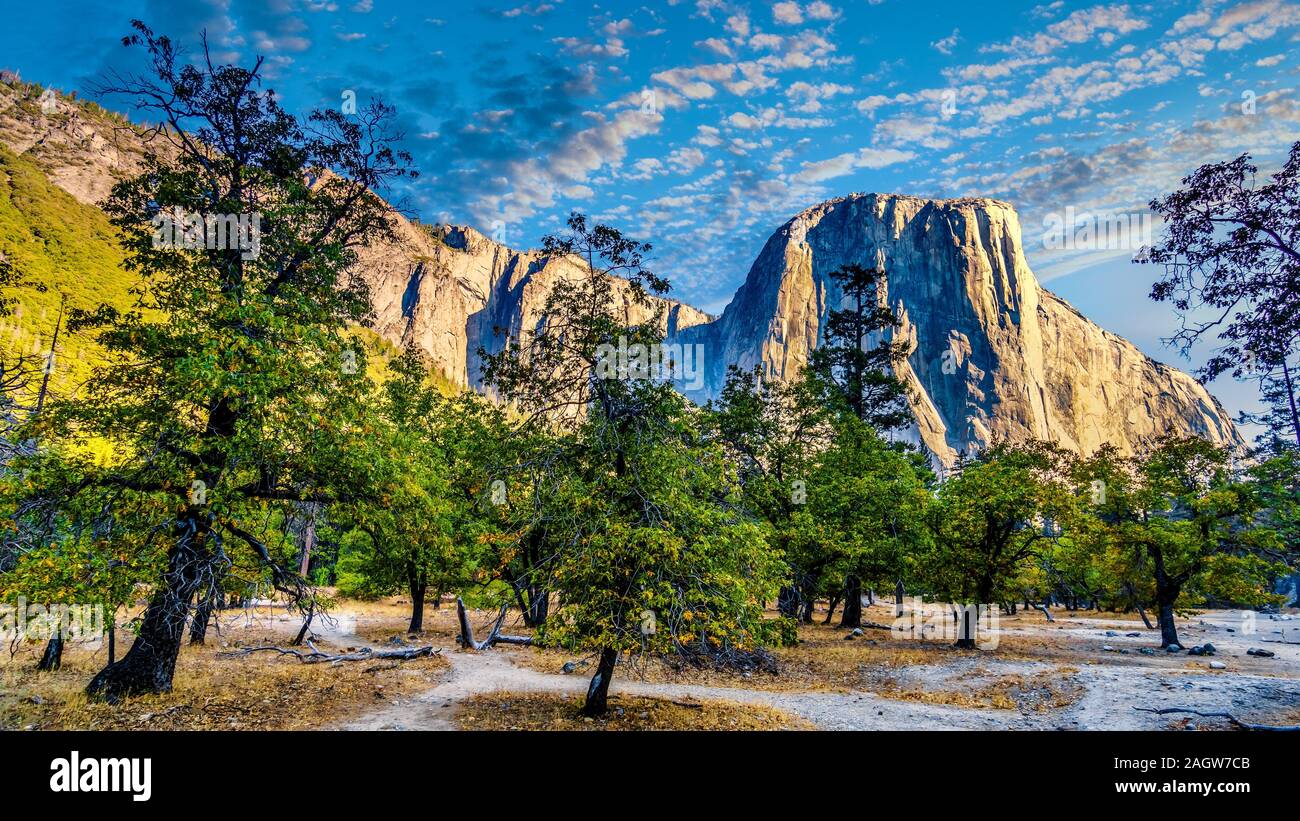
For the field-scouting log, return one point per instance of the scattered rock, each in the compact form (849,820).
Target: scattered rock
(1174,648)
(569,667)
(1208,649)
(1218,665)
(39,700)
(1147,651)
(1264,654)
(1111,633)
(857,631)
(1133,635)
(1108,648)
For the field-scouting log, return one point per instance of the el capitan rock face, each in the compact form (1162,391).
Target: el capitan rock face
(1020,362)
(993,355)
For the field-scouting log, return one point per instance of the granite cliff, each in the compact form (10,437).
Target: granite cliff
(993,354)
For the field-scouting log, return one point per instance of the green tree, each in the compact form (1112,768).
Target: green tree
(869,501)
(645,551)
(857,378)
(991,522)
(423,521)
(662,559)
(1201,531)
(232,390)
(854,374)
(772,433)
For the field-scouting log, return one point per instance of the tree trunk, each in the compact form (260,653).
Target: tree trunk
(306,625)
(308,542)
(149,665)
(852,602)
(534,602)
(787,602)
(52,658)
(898,598)
(112,636)
(417,584)
(968,627)
(807,616)
(830,611)
(965,630)
(1167,590)
(1291,400)
(202,615)
(1168,630)
(597,703)
(1143,613)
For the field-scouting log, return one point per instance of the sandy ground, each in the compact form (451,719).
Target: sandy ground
(1110,682)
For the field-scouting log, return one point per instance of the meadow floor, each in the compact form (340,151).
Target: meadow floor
(1084,671)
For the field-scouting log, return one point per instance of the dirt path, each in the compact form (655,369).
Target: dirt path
(1110,694)
(1110,691)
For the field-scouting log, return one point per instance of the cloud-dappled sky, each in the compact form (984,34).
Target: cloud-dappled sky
(702,125)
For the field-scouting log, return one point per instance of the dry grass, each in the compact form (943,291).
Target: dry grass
(211,691)
(823,661)
(531,711)
(1044,691)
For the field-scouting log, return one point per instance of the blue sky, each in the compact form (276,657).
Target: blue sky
(702,125)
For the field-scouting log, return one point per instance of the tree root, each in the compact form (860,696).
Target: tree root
(1245,725)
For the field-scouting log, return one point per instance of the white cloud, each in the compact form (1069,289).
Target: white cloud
(788,13)
(1079,27)
(851,161)
(947,44)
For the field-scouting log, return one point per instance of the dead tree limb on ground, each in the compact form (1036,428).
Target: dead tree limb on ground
(1245,725)
(364,654)
(494,635)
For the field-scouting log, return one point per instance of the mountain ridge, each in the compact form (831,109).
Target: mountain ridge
(1021,361)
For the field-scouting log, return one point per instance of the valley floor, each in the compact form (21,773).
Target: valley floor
(1084,671)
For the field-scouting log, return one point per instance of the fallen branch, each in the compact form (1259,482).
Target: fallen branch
(364,654)
(494,635)
(1046,612)
(1245,725)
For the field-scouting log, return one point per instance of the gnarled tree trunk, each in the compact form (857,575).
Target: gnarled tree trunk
(149,665)
(597,703)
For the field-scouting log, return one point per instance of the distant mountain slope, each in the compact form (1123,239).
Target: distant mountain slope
(63,247)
